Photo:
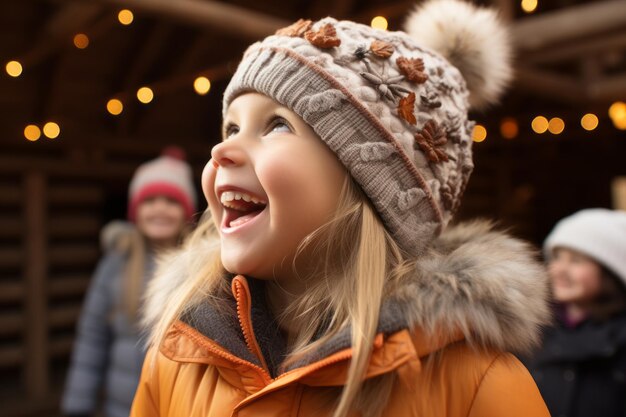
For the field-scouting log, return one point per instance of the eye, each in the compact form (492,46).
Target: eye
(230,130)
(279,125)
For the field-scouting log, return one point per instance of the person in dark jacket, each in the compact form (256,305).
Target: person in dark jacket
(581,367)
(107,356)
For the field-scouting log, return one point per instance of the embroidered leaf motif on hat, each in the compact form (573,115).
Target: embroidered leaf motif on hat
(387,86)
(297,29)
(413,69)
(381,49)
(325,37)
(430,101)
(405,108)
(431,141)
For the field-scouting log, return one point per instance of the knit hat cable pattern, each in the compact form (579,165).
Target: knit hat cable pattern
(393,112)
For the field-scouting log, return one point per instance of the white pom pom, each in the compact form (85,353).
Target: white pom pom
(473,40)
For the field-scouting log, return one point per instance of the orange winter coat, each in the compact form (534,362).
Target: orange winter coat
(212,365)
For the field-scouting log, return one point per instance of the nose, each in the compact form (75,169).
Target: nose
(228,153)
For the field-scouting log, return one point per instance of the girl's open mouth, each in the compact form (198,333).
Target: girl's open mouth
(239,208)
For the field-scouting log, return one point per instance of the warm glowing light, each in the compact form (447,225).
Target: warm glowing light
(14,68)
(145,95)
(81,41)
(379,22)
(51,130)
(509,128)
(202,85)
(556,125)
(620,123)
(479,133)
(125,17)
(617,110)
(589,121)
(529,6)
(32,133)
(539,124)
(115,106)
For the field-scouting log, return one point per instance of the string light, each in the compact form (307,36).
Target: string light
(509,128)
(145,95)
(479,133)
(379,22)
(14,68)
(539,124)
(529,6)
(125,17)
(202,85)
(51,130)
(617,110)
(589,121)
(115,106)
(620,123)
(32,133)
(81,41)
(556,125)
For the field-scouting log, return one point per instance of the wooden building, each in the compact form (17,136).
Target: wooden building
(77,55)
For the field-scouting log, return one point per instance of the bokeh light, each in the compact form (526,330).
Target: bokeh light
(479,133)
(32,133)
(202,85)
(509,129)
(529,6)
(145,95)
(115,106)
(51,130)
(379,22)
(539,124)
(14,68)
(81,41)
(589,121)
(125,17)
(556,125)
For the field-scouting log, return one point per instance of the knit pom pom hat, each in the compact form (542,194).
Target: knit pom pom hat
(393,110)
(597,233)
(168,175)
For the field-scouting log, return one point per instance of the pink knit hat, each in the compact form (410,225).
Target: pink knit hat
(168,175)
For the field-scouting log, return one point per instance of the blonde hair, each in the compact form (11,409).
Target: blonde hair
(359,261)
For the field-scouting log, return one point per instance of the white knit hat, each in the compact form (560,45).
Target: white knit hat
(597,233)
(167,175)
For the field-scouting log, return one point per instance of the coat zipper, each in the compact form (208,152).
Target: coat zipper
(206,343)
(243,314)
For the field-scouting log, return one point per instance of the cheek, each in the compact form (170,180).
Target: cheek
(208,189)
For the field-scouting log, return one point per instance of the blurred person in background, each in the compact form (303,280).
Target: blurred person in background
(108,354)
(581,367)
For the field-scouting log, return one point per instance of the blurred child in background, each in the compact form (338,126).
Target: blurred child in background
(581,367)
(107,356)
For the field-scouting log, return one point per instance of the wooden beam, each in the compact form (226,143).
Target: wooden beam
(227,18)
(148,54)
(73,18)
(576,22)
(35,266)
(548,85)
(594,46)
(608,88)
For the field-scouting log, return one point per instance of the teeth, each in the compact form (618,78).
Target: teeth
(228,196)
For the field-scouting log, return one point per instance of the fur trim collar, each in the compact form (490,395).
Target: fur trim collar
(483,283)
(473,280)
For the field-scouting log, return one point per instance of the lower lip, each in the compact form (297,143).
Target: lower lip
(229,230)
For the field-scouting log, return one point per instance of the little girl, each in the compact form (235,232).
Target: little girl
(581,366)
(108,355)
(324,281)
